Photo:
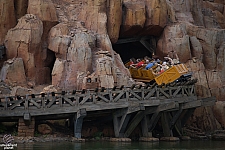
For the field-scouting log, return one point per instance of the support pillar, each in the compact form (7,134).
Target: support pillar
(144,126)
(26,127)
(165,124)
(122,117)
(78,122)
(120,121)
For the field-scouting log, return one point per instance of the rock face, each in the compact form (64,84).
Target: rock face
(7,18)
(66,43)
(24,41)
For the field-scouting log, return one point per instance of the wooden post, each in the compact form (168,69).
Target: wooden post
(187,115)
(120,121)
(175,118)
(78,122)
(165,124)
(134,122)
(144,126)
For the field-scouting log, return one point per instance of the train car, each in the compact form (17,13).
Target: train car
(177,72)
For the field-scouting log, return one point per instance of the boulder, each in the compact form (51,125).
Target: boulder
(44,129)
(20,91)
(13,72)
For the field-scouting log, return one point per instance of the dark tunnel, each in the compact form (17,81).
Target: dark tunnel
(128,49)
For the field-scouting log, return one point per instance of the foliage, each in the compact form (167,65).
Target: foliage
(98,135)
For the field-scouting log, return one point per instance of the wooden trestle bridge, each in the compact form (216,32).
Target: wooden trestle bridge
(128,106)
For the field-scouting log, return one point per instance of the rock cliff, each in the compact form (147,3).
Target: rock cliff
(66,42)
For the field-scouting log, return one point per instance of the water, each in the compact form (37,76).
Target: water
(184,145)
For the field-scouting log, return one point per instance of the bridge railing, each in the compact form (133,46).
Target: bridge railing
(97,96)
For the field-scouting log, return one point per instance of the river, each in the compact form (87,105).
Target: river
(183,145)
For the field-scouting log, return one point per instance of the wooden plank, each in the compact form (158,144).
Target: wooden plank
(69,101)
(192,104)
(167,106)
(103,98)
(26,104)
(16,104)
(177,91)
(192,90)
(35,103)
(135,95)
(210,101)
(60,101)
(117,97)
(51,102)
(135,107)
(164,93)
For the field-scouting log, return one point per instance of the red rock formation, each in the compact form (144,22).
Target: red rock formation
(20,7)
(7,18)
(24,41)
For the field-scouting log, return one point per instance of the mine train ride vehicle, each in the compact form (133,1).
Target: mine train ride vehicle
(177,74)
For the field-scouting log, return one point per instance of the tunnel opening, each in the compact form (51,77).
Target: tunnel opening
(136,47)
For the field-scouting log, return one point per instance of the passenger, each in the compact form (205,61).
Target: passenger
(140,63)
(157,70)
(169,60)
(131,62)
(150,65)
(174,57)
(164,66)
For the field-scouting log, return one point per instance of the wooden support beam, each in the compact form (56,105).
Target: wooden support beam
(155,117)
(210,101)
(192,104)
(175,118)
(26,116)
(153,121)
(120,121)
(177,126)
(78,122)
(142,114)
(165,124)
(134,122)
(135,108)
(144,126)
(147,45)
(123,124)
(187,115)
